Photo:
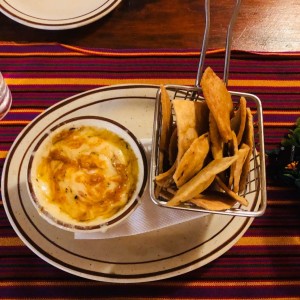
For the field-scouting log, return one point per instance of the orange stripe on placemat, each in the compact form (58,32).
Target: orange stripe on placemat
(95,81)
(269,241)
(264,83)
(23,54)
(38,53)
(157,283)
(279,124)
(26,110)
(278,112)
(10,242)
(110,81)
(281,112)
(3,154)
(16,122)
(128,54)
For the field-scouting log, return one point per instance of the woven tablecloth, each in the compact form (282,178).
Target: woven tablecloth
(264,263)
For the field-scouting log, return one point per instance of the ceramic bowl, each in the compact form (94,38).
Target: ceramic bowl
(87,174)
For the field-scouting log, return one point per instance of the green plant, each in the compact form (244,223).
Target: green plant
(284,163)
(293,138)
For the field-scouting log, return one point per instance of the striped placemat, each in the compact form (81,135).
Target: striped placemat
(265,262)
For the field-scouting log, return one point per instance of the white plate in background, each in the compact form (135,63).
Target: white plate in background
(56,14)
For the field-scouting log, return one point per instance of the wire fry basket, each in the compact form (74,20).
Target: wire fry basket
(255,191)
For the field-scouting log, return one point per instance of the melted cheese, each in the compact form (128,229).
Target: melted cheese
(87,172)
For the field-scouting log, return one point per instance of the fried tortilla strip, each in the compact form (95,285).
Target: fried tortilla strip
(219,102)
(166,118)
(230,193)
(166,123)
(215,201)
(157,191)
(233,150)
(202,115)
(248,140)
(166,178)
(233,146)
(173,147)
(217,144)
(239,120)
(238,166)
(186,124)
(201,181)
(192,161)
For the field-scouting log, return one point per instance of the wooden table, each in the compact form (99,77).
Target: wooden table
(268,25)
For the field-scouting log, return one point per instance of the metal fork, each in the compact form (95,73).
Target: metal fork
(228,42)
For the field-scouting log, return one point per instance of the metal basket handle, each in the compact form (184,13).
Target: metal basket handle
(228,42)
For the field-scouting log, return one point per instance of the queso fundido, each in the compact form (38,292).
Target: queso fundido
(85,173)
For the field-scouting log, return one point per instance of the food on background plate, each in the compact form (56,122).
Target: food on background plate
(213,159)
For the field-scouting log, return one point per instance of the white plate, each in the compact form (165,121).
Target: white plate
(145,257)
(56,14)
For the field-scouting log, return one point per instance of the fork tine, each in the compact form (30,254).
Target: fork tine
(229,40)
(204,43)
